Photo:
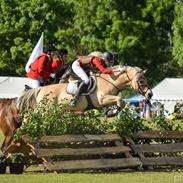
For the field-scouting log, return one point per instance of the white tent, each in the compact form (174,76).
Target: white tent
(11,87)
(168,92)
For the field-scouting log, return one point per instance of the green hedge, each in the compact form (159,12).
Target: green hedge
(54,119)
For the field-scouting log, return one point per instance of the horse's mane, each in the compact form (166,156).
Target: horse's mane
(7,100)
(125,67)
(28,98)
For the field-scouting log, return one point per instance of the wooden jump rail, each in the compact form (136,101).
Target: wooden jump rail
(85,152)
(105,152)
(159,154)
(160,135)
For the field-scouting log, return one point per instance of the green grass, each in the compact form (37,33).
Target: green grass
(1,137)
(1,141)
(122,177)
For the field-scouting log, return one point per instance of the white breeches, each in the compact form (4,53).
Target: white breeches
(78,70)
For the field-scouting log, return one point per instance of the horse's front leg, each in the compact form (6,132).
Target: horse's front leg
(112,100)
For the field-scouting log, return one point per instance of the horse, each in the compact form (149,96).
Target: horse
(9,120)
(105,94)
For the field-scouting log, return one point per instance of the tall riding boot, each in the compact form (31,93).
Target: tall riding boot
(64,77)
(78,93)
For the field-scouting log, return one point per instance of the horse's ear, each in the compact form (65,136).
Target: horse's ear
(144,71)
(27,87)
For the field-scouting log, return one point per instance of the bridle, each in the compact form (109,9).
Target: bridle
(140,90)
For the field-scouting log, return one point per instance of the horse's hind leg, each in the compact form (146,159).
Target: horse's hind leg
(8,131)
(7,141)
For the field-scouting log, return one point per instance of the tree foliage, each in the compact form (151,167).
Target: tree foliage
(21,24)
(140,31)
(178,33)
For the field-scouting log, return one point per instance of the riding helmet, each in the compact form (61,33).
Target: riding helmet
(49,48)
(62,51)
(107,56)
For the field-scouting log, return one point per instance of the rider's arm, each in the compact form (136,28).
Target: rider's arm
(41,68)
(96,61)
(56,65)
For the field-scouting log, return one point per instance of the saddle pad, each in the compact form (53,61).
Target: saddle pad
(72,88)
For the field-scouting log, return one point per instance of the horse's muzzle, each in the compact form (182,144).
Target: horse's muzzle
(149,94)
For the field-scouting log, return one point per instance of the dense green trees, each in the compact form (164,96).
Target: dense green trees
(143,32)
(178,33)
(21,24)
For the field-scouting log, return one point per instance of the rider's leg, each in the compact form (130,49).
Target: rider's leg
(78,93)
(66,75)
(77,69)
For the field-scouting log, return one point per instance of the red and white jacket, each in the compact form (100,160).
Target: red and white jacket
(96,62)
(41,67)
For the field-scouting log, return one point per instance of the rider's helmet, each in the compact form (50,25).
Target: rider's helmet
(96,54)
(49,48)
(107,56)
(62,52)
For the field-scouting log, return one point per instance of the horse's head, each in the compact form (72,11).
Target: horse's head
(139,82)
(135,77)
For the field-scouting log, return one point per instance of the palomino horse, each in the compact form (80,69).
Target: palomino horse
(107,88)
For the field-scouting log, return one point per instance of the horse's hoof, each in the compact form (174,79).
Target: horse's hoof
(110,113)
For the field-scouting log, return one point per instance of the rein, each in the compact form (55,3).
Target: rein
(109,83)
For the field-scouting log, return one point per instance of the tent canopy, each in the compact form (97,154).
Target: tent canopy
(11,87)
(169,91)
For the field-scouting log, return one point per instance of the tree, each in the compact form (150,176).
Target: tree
(178,33)
(140,31)
(21,24)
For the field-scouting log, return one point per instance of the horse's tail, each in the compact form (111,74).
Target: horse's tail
(28,99)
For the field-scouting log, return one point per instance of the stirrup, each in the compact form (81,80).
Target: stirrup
(73,103)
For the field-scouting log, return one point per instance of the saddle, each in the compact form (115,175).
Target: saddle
(72,86)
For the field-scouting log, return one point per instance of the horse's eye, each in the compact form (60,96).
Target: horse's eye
(141,81)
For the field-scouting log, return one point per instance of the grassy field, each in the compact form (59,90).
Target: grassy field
(38,174)
(122,177)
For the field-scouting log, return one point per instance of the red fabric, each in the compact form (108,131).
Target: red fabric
(98,64)
(80,62)
(42,68)
(56,64)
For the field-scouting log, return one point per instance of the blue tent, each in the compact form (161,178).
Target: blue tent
(135,100)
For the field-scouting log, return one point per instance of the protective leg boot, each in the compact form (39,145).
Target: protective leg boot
(79,91)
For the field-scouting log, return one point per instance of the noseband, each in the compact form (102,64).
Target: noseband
(140,90)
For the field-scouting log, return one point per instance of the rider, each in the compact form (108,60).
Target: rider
(101,63)
(41,67)
(58,63)
(97,59)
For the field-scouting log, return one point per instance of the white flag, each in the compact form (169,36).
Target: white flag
(38,49)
